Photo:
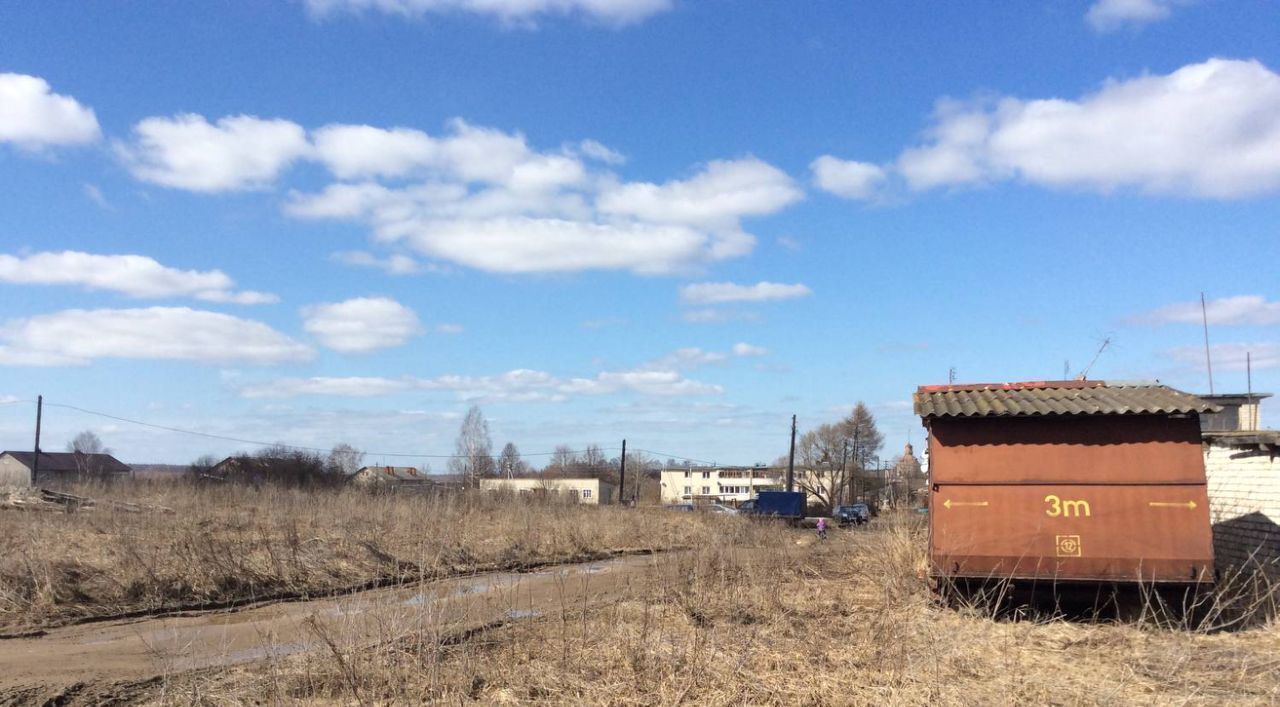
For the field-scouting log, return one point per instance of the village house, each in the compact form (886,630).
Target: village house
(391,477)
(590,491)
(17,468)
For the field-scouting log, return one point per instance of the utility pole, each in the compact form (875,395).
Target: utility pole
(1208,360)
(622,475)
(844,472)
(35,465)
(791,459)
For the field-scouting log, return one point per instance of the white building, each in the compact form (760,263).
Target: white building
(728,485)
(593,491)
(1243,470)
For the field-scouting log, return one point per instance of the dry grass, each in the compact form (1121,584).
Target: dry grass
(232,544)
(753,617)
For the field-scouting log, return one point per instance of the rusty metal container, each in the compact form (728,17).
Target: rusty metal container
(1067,481)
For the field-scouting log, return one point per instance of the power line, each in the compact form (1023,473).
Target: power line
(673,456)
(240,440)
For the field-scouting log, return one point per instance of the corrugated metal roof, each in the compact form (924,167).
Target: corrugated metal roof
(1055,398)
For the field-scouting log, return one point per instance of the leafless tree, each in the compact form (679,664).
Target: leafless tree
(563,460)
(87,443)
(345,459)
(473,451)
(509,462)
(594,463)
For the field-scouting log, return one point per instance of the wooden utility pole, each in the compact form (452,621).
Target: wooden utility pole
(844,473)
(791,459)
(35,465)
(622,475)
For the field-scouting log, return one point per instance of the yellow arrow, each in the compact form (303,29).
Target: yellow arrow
(1164,504)
(949,503)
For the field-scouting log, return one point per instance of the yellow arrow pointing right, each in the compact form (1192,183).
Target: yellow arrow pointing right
(1165,504)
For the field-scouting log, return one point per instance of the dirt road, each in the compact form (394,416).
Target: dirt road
(135,650)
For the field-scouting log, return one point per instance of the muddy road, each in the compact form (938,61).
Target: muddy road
(132,650)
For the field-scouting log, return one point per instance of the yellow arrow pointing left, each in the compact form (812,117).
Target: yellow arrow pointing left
(949,503)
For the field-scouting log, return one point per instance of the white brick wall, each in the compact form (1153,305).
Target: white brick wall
(1244,505)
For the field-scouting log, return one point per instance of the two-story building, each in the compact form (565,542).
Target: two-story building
(730,485)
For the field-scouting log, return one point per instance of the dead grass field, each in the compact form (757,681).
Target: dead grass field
(763,615)
(750,614)
(225,545)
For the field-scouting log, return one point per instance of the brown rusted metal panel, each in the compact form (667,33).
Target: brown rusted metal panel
(1069,498)
(1072,532)
(1079,449)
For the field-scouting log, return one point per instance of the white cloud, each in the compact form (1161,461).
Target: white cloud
(351,151)
(351,387)
(1241,309)
(601,152)
(1206,130)
(394,264)
(519,385)
(613,12)
(1231,357)
(745,349)
(187,152)
(448,328)
(532,245)
(94,194)
(32,116)
(132,275)
(721,292)
(690,357)
(362,324)
(848,179)
(468,153)
(79,336)
(479,197)
(717,197)
(711,315)
(1110,15)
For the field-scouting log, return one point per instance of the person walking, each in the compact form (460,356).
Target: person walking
(822,528)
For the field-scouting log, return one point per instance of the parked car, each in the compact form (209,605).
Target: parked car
(852,514)
(684,507)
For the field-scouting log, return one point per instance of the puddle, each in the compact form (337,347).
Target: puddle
(523,613)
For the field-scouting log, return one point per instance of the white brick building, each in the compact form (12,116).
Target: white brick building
(1243,470)
(592,491)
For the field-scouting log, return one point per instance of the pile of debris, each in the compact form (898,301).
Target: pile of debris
(37,499)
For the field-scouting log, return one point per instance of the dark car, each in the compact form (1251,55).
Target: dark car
(852,514)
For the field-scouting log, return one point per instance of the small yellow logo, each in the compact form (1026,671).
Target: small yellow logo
(1068,545)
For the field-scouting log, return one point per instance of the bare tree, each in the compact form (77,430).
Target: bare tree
(345,459)
(509,462)
(822,455)
(87,443)
(563,461)
(202,465)
(473,451)
(594,463)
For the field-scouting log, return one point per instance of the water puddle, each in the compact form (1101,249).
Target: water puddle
(523,613)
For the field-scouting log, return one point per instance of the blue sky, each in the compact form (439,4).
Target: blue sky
(675,221)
